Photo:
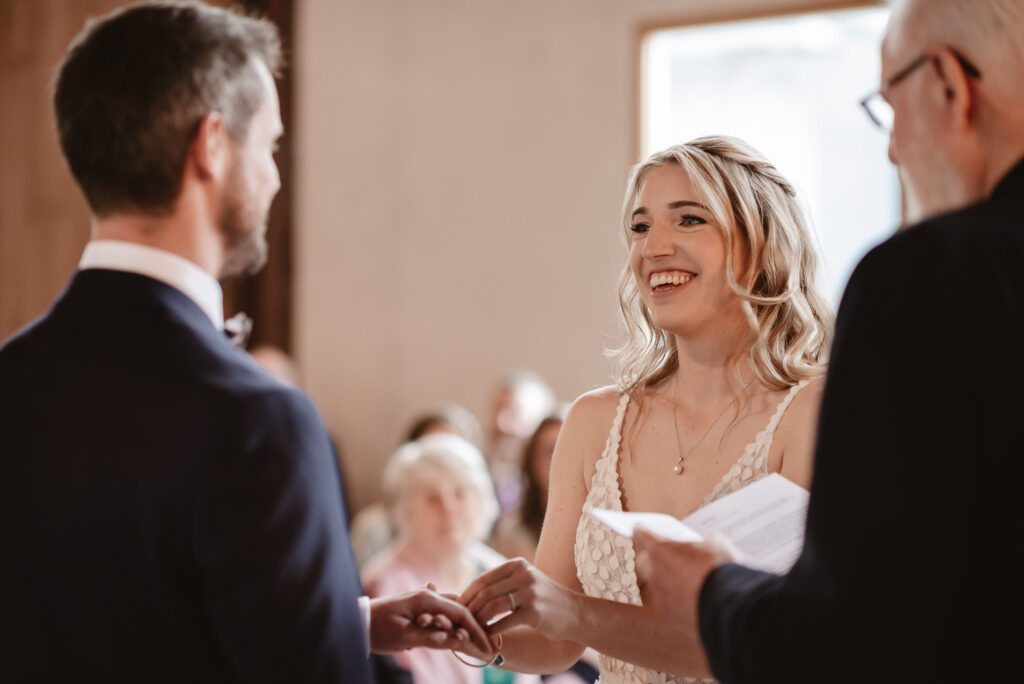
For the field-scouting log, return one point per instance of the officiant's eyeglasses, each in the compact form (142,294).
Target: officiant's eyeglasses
(880,111)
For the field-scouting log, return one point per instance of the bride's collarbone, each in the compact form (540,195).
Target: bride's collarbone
(649,452)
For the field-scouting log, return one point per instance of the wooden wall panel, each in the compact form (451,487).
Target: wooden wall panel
(44,220)
(267,296)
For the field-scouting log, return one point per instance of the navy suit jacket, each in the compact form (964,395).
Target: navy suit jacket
(169,512)
(915,532)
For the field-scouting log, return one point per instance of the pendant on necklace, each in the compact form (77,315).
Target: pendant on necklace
(678,469)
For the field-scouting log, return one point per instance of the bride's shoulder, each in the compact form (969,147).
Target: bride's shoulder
(803,409)
(591,415)
(600,404)
(586,428)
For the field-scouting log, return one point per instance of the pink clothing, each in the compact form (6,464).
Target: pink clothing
(403,567)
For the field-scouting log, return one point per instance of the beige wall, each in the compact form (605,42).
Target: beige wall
(459,170)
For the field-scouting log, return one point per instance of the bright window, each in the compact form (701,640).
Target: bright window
(790,86)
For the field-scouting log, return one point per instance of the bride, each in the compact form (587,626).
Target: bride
(719,384)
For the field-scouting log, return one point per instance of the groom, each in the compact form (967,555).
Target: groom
(911,565)
(169,512)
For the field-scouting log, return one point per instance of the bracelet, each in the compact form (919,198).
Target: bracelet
(497,660)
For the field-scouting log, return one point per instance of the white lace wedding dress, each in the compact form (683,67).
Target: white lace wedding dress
(605,559)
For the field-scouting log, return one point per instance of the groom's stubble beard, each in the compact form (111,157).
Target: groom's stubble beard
(243,227)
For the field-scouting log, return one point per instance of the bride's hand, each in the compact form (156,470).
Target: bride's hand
(516,593)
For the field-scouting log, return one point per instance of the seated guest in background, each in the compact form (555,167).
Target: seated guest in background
(516,536)
(277,363)
(449,417)
(719,384)
(443,503)
(372,528)
(521,401)
(168,511)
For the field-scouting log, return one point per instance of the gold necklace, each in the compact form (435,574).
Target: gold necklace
(679,467)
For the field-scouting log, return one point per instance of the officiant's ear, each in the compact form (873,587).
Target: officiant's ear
(211,148)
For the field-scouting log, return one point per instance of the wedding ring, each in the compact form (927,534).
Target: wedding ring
(512,601)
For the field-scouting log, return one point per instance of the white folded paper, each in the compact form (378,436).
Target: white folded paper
(764,520)
(659,523)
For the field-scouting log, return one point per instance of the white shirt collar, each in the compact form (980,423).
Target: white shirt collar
(176,271)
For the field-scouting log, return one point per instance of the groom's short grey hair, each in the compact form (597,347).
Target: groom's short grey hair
(134,85)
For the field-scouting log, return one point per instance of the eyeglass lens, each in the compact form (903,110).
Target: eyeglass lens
(881,111)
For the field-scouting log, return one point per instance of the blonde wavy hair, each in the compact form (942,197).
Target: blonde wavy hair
(790,322)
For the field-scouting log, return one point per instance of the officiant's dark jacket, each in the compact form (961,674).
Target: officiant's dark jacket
(911,570)
(168,511)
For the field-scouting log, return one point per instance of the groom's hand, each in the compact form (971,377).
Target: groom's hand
(425,618)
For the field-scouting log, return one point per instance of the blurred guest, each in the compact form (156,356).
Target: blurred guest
(277,363)
(520,403)
(517,535)
(372,528)
(448,417)
(443,503)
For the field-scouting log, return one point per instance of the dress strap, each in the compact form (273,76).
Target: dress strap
(769,430)
(753,462)
(606,469)
(611,447)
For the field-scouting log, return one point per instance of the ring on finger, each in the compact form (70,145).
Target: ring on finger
(512,602)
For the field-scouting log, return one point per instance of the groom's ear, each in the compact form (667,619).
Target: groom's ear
(210,151)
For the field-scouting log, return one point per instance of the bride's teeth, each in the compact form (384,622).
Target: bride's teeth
(674,278)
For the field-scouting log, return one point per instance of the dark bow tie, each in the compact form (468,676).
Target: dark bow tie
(237,329)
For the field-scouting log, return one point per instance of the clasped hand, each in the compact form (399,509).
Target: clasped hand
(428,619)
